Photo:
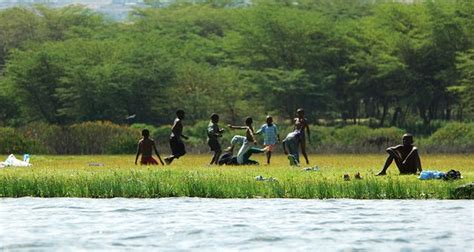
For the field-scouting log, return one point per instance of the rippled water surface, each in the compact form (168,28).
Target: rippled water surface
(66,224)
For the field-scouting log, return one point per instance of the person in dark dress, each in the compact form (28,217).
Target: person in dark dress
(405,156)
(176,143)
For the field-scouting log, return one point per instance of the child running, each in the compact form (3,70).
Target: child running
(146,145)
(270,136)
(213,133)
(177,146)
(249,137)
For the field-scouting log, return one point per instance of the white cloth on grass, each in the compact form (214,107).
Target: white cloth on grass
(12,161)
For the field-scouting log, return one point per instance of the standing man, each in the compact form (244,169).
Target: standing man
(301,124)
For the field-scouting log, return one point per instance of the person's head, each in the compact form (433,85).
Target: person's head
(407,139)
(300,112)
(215,118)
(145,133)
(269,120)
(180,114)
(248,121)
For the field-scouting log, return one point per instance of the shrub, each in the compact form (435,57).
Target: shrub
(109,138)
(453,137)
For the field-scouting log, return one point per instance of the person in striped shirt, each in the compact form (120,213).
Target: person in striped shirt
(270,136)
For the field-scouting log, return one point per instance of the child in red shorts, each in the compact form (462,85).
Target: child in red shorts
(146,145)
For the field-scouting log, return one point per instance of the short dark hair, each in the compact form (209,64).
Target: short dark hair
(409,136)
(179,112)
(214,116)
(145,133)
(248,120)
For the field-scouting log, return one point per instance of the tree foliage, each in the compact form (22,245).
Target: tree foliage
(392,62)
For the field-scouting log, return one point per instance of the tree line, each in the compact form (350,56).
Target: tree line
(389,63)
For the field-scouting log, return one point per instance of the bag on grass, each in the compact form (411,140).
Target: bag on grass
(452,175)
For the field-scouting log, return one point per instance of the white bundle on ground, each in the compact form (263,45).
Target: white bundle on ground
(14,162)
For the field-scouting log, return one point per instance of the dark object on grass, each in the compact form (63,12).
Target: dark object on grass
(347,177)
(357,176)
(464,192)
(452,175)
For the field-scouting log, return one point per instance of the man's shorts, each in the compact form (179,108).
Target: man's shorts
(148,161)
(214,145)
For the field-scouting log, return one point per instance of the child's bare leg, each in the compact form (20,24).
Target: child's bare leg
(388,162)
(392,155)
(303,150)
(215,158)
(269,156)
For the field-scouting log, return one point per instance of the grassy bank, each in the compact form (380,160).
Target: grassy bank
(72,176)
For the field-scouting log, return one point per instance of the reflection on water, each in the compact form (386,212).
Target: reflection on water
(235,224)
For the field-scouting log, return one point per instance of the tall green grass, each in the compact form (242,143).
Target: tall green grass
(53,176)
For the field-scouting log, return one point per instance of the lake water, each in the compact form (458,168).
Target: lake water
(65,224)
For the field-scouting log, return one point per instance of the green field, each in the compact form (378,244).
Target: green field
(73,176)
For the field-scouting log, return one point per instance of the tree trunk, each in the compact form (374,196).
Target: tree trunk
(384,114)
(395,116)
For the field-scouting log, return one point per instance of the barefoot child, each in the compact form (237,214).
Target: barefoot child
(176,143)
(270,136)
(406,157)
(213,133)
(301,124)
(249,137)
(146,145)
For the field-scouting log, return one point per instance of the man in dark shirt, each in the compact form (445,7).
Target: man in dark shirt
(406,157)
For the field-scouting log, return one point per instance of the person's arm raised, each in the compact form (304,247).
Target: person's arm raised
(237,127)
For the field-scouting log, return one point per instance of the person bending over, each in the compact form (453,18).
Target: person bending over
(291,145)
(146,145)
(405,156)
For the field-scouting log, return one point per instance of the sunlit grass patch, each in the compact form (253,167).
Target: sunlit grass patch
(116,176)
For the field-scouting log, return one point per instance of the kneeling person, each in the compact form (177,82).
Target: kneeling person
(228,159)
(406,157)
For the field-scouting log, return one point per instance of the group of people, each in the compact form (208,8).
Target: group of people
(405,156)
